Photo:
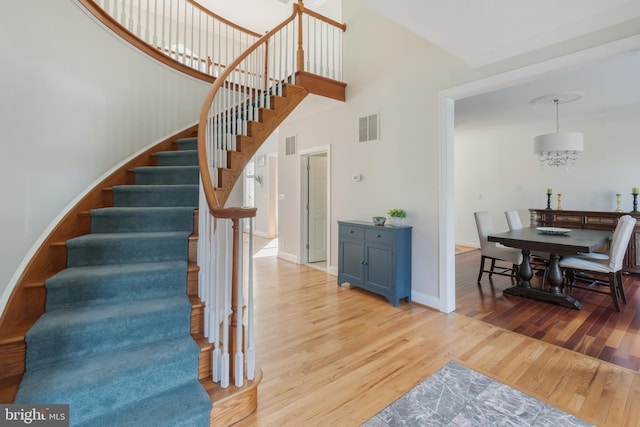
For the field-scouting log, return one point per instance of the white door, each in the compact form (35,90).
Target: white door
(317,207)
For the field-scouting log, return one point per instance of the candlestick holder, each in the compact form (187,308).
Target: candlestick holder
(559,208)
(635,202)
(618,208)
(548,201)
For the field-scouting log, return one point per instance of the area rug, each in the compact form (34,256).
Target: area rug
(458,396)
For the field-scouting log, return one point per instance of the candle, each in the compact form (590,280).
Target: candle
(549,191)
(634,190)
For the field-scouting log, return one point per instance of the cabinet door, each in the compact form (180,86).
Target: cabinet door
(379,268)
(351,262)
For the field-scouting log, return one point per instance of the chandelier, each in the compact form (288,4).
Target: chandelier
(560,149)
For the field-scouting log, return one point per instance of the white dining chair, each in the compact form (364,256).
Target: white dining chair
(604,264)
(493,251)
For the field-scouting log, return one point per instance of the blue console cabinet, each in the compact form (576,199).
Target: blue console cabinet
(376,258)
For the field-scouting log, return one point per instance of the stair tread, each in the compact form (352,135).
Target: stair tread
(104,284)
(119,377)
(134,235)
(185,405)
(131,210)
(72,333)
(54,319)
(93,271)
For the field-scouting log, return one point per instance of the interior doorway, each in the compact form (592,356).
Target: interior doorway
(315,208)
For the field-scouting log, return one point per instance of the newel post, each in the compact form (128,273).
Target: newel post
(236,326)
(300,52)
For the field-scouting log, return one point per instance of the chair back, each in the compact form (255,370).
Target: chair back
(513,220)
(620,241)
(484,226)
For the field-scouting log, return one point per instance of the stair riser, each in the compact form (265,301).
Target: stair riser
(167,175)
(178,158)
(96,251)
(188,143)
(117,221)
(139,196)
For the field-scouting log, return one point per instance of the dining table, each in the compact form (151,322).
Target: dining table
(556,242)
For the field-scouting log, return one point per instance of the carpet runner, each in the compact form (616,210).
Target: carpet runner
(114,342)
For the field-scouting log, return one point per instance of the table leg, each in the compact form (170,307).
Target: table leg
(555,275)
(525,271)
(554,295)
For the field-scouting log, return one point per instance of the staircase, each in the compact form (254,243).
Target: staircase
(115,340)
(112,315)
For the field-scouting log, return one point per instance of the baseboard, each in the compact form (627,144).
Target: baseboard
(426,300)
(288,257)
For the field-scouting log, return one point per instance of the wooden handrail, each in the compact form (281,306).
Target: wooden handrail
(322,18)
(221,19)
(205,174)
(235,212)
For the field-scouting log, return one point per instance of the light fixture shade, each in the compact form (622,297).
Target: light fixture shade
(561,141)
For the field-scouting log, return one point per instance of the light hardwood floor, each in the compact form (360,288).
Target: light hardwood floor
(337,355)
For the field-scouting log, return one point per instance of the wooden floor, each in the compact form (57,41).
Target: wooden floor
(597,330)
(337,355)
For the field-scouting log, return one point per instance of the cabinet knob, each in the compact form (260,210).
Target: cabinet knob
(379,236)
(350,231)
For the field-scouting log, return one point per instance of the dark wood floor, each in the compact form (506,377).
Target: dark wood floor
(597,330)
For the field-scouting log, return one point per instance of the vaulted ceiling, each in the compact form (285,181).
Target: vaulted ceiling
(484,32)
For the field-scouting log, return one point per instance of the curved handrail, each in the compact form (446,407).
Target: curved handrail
(222,19)
(203,160)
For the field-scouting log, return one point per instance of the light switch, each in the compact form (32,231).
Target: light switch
(356,178)
(280,196)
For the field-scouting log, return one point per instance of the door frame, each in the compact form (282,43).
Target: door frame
(446,302)
(304,217)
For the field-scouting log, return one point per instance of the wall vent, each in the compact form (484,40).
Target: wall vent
(369,128)
(290,148)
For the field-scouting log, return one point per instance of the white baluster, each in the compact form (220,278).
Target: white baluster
(251,351)
(239,356)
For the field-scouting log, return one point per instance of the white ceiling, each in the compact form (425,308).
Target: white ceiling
(481,32)
(256,15)
(610,86)
(484,32)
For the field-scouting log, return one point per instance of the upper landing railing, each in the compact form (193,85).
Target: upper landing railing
(185,34)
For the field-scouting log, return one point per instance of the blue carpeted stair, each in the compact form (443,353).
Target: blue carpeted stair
(114,342)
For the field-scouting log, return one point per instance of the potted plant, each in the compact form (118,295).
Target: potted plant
(397,216)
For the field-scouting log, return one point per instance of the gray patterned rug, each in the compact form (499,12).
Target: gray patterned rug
(458,396)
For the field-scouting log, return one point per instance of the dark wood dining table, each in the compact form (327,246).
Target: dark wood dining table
(556,245)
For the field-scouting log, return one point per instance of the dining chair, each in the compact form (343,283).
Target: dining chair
(493,251)
(539,260)
(603,264)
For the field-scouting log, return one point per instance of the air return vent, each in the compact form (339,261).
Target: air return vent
(369,128)
(290,148)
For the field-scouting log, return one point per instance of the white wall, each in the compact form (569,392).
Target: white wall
(397,74)
(514,180)
(75,102)
(263,194)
